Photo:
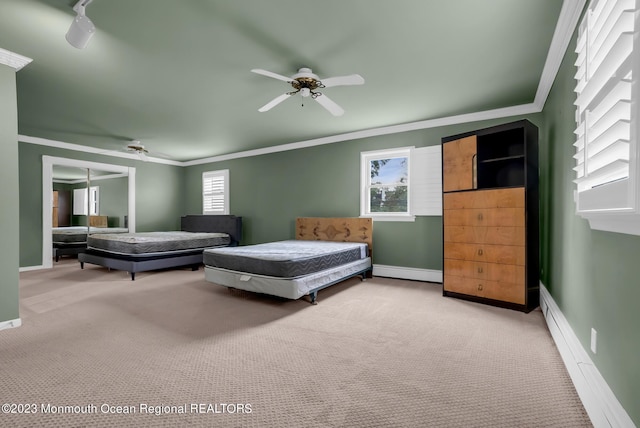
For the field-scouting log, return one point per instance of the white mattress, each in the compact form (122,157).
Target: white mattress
(289,288)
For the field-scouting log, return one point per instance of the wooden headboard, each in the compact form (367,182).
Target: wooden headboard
(98,221)
(341,229)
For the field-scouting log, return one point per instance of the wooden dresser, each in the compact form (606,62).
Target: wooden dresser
(490,216)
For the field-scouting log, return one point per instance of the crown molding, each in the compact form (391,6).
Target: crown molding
(375,132)
(567,21)
(13,59)
(84,180)
(87,149)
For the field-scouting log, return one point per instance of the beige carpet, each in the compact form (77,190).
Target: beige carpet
(380,353)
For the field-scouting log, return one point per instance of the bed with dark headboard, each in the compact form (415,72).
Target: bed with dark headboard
(145,251)
(326,251)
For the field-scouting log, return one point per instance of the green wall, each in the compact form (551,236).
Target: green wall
(159,195)
(270,191)
(9,214)
(594,276)
(112,196)
(113,199)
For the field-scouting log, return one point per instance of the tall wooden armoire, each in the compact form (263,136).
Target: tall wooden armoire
(490,215)
(61,214)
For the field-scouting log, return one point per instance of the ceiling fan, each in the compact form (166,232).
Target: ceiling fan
(136,147)
(306,83)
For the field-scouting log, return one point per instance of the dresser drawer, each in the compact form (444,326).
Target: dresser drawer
(506,254)
(485,217)
(513,274)
(504,291)
(494,198)
(496,235)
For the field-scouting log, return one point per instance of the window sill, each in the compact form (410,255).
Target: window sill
(379,217)
(627,223)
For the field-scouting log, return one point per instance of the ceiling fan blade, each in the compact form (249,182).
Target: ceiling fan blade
(274,102)
(353,79)
(271,74)
(327,103)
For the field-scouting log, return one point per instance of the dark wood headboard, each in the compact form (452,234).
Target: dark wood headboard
(230,224)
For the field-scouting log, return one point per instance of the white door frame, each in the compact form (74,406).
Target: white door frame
(47,196)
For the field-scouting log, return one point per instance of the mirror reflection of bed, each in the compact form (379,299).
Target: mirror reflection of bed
(77,211)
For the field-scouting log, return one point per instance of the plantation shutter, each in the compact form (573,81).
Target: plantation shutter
(426,181)
(80,201)
(605,115)
(215,192)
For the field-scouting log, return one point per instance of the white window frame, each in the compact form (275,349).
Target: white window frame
(424,186)
(608,66)
(220,174)
(80,201)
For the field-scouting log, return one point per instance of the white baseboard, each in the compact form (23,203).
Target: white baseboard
(10,324)
(28,268)
(400,272)
(599,401)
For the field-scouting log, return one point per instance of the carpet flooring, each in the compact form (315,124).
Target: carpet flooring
(171,349)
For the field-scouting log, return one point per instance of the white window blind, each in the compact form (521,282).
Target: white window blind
(605,112)
(215,192)
(426,180)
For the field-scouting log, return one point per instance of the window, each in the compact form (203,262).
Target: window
(398,184)
(607,169)
(215,192)
(80,201)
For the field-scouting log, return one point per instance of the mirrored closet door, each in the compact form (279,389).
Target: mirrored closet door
(81,198)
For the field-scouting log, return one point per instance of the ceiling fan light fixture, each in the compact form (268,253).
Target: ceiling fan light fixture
(306,83)
(81,29)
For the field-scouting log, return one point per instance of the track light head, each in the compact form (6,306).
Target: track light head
(81,28)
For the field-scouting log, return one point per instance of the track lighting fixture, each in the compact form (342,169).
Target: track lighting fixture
(81,28)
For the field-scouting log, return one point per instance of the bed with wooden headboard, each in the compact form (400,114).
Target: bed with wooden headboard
(326,251)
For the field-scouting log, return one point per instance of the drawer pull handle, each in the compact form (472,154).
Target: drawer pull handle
(479,287)
(480,216)
(479,270)
(480,252)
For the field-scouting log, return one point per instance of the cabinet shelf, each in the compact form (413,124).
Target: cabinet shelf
(502,172)
(504,158)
